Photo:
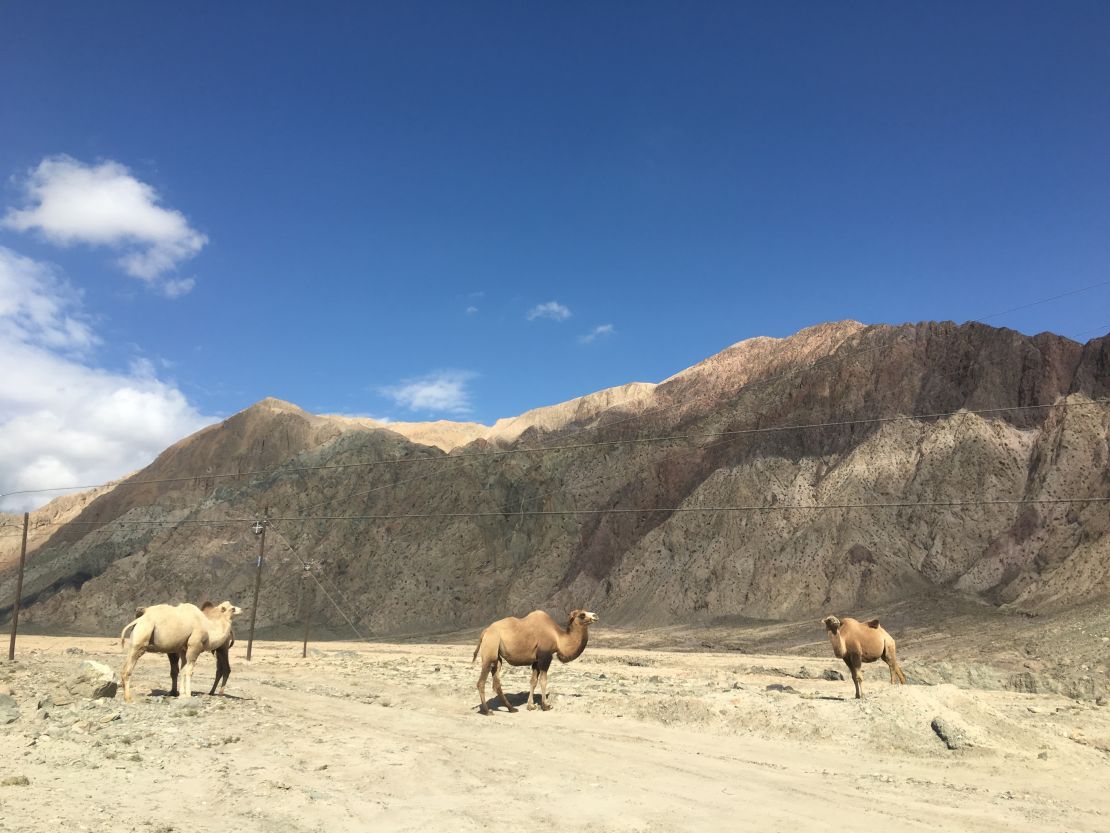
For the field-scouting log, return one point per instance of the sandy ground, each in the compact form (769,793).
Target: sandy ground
(387,737)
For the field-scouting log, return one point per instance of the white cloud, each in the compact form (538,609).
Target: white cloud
(552,309)
(64,421)
(596,333)
(104,205)
(471,310)
(38,307)
(177,288)
(444,391)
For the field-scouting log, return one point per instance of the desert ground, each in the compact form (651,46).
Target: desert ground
(387,737)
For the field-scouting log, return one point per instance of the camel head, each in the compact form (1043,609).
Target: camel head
(582,617)
(223,609)
(832,623)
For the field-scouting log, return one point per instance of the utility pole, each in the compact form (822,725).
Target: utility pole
(18,588)
(259,529)
(309,596)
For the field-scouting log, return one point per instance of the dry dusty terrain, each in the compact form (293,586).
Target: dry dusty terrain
(387,737)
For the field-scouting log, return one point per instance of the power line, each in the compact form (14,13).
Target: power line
(1044,301)
(312,573)
(743,389)
(611,511)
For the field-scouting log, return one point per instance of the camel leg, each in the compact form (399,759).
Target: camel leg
(128,666)
(226,654)
(482,687)
(532,687)
(890,657)
(223,671)
(497,687)
(173,673)
(857,678)
(543,689)
(191,653)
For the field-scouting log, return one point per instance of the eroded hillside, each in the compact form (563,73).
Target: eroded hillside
(411,538)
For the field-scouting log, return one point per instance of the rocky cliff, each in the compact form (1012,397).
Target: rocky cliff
(425,527)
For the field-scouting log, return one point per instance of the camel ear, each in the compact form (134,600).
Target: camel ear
(874,623)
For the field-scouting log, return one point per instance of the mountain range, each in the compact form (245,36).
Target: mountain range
(841,468)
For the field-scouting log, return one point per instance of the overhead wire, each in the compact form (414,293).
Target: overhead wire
(464,459)
(832,358)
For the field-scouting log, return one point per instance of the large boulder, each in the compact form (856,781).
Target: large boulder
(95,680)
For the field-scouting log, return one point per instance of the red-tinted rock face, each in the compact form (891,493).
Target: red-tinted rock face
(767,556)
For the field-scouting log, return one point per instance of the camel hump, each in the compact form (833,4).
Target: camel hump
(874,623)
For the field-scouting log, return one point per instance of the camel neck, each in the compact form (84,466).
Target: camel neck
(837,640)
(573,642)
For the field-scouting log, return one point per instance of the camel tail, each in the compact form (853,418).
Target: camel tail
(481,636)
(126,628)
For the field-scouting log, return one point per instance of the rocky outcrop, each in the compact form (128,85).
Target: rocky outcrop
(412,539)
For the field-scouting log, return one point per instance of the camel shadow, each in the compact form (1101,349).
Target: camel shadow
(518,700)
(164,692)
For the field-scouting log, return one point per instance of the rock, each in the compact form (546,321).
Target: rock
(15,781)
(831,675)
(783,689)
(952,735)
(96,680)
(6,689)
(1043,756)
(1024,681)
(9,710)
(74,650)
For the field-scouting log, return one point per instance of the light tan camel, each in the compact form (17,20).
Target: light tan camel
(533,640)
(219,648)
(858,642)
(183,630)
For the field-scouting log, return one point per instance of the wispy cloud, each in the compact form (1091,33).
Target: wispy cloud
(552,309)
(63,420)
(472,310)
(597,332)
(37,307)
(69,202)
(177,288)
(444,391)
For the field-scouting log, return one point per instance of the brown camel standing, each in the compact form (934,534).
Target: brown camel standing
(533,640)
(857,642)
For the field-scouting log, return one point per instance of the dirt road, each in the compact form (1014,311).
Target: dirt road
(387,737)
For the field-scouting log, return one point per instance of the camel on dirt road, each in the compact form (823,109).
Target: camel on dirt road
(534,640)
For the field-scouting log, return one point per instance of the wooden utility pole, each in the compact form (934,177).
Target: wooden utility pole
(18,588)
(259,529)
(309,596)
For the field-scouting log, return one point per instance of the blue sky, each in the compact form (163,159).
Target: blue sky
(431,210)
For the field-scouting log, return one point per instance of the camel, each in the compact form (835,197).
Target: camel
(858,642)
(183,630)
(220,652)
(533,640)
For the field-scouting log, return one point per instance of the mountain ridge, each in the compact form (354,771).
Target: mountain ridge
(145,542)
